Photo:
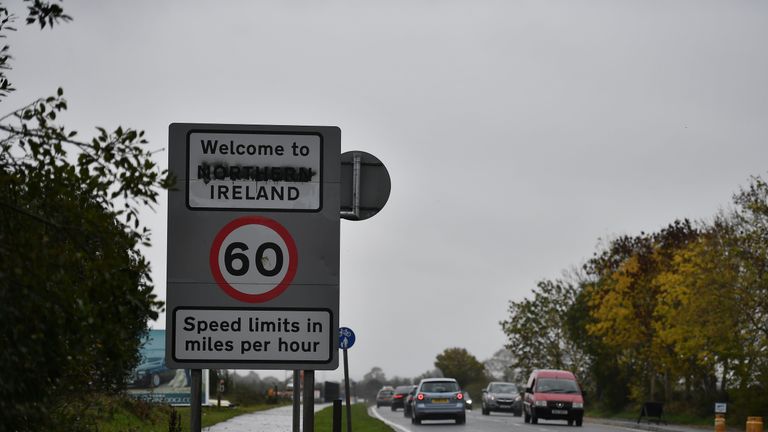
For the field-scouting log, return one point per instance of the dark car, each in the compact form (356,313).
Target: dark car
(151,373)
(502,396)
(408,404)
(384,396)
(399,397)
(438,399)
(467,400)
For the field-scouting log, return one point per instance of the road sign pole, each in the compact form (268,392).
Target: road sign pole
(336,426)
(296,401)
(346,392)
(309,401)
(196,404)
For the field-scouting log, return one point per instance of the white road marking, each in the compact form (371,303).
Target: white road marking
(373,411)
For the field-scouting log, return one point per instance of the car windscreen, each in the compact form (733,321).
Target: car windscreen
(403,389)
(385,393)
(503,388)
(440,387)
(553,385)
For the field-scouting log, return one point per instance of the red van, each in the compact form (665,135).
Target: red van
(553,395)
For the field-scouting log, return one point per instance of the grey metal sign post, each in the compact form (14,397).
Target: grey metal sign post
(253,247)
(346,341)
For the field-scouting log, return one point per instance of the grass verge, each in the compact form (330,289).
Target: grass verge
(128,415)
(632,414)
(361,421)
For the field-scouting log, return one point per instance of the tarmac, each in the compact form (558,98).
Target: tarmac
(273,420)
(281,420)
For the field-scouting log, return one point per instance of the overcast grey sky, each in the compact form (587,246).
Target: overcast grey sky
(516,133)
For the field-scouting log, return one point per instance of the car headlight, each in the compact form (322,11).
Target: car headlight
(578,404)
(493,397)
(540,403)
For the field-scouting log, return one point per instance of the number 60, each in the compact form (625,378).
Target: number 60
(235,252)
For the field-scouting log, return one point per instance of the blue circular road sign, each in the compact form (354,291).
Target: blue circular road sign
(346,337)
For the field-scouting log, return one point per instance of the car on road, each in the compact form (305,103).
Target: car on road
(384,396)
(399,397)
(502,396)
(467,400)
(553,395)
(438,399)
(408,404)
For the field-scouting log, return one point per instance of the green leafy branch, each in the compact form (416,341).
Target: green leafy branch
(115,167)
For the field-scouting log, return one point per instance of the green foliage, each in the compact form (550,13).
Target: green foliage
(536,330)
(679,316)
(45,13)
(361,421)
(124,414)
(75,291)
(624,305)
(459,364)
(174,421)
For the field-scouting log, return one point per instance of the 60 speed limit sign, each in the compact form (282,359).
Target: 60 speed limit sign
(253,259)
(253,247)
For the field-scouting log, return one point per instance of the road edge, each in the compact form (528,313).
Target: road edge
(630,425)
(372,411)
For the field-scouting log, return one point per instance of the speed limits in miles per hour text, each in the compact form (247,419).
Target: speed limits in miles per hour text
(255,335)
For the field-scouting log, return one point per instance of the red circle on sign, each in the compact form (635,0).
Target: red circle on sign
(293,259)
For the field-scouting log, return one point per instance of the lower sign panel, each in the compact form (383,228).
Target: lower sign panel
(230,335)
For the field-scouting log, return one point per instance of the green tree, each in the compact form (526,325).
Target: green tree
(604,377)
(536,330)
(499,366)
(459,364)
(623,304)
(372,382)
(698,315)
(75,291)
(749,247)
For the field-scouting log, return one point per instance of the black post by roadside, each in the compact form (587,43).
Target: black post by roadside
(309,401)
(196,405)
(346,391)
(336,415)
(296,400)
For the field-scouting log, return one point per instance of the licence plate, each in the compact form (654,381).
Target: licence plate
(559,411)
(439,400)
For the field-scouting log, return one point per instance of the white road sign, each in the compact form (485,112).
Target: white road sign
(267,171)
(253,247)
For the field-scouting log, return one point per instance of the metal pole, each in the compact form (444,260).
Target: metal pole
(346,391)
(356,159)
(296,401)
(196,405)
(336,426)
(219,388)
(309,401)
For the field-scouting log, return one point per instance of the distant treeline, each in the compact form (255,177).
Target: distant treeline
(677,316)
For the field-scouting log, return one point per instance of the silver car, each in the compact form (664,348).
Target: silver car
(438,399)
(502,396)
